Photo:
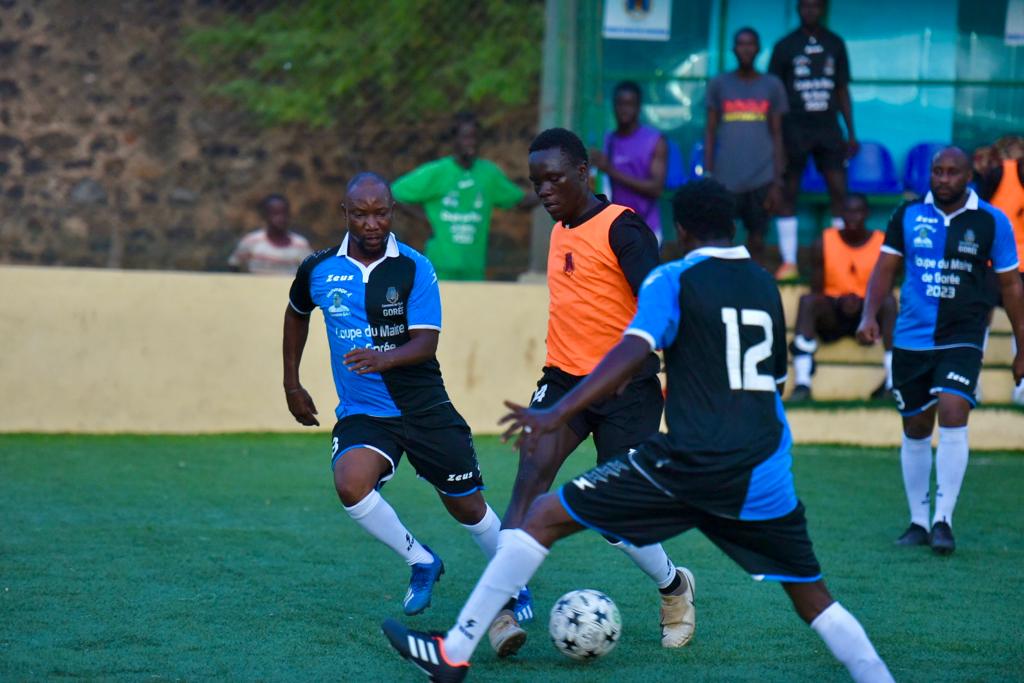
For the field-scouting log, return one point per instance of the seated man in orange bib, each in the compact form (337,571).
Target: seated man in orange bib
(843,260)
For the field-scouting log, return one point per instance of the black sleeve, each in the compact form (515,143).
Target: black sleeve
(299,295)
(776,64)
(842,64)
(894,231)
(635,246)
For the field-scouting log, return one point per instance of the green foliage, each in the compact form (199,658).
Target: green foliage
(323,62)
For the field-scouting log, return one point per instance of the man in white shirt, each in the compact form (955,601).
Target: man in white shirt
(274,249)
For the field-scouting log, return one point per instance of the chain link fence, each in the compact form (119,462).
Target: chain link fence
(144,134)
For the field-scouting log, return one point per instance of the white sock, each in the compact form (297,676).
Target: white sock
(519,556)
(485,532)
(802,366)
(887,364)
(950,466)
(838,222)
(380,520)
(787,227)
(653,560)
(916,461)
(849,644)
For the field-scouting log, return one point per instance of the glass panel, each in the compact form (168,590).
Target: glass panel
(675,57)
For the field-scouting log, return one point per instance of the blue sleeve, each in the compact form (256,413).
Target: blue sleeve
(425,299)
(657,312)
(1004,246)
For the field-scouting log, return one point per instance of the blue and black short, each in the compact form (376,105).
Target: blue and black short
(642,498)
(438,441)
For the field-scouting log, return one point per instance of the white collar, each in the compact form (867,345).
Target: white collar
(390,251)
(737,252)
(970,205)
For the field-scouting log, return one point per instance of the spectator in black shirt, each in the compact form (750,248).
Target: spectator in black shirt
(813,66)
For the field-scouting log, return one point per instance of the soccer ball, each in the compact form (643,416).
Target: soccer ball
(585,624)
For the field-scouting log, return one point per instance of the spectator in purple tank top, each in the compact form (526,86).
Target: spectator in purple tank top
(634,157)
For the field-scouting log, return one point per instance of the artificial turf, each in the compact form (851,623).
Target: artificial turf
(229,558)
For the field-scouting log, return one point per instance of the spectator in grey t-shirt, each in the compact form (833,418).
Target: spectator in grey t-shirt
(743,139)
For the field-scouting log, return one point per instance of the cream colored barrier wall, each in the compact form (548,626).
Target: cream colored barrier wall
(125,351)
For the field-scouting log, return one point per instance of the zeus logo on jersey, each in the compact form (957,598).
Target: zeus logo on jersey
(339,278)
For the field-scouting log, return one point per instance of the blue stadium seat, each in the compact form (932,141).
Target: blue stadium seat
(812,181)
(872,171)
(697,160)
(918,171)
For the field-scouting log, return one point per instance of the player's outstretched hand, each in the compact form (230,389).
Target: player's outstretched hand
(527,425)
(868,332)
(301,406)
(363,361)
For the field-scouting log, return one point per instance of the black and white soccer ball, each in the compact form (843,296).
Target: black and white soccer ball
(585,624)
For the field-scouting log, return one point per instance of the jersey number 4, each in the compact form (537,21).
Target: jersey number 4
(747,377)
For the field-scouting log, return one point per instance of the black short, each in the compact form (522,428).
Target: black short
(621,501)
(750,209)
(918,377)
(824,143)
(438,441)
(839,324)
(618,423)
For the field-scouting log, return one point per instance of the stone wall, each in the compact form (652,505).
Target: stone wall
(114,154)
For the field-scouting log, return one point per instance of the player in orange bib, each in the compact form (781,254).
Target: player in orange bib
(843,260)
(1006,185)
(600,254)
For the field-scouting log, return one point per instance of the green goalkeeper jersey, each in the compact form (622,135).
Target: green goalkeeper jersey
(458,202)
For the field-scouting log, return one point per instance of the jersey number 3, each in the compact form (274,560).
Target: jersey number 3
(747,378)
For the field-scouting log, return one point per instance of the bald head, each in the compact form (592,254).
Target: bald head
(951,171)
(367,182)
(953,154)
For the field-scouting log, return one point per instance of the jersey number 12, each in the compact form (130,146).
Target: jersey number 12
(747,377)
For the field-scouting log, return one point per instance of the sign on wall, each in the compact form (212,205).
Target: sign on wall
(637,19)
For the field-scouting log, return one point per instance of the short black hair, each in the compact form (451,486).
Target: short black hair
(562,139)
(463,118)
(271,198)
(366,177)
(627,86)
(705,209)
(746,29)
(861,196)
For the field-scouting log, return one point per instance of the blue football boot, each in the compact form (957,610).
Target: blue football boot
(421,584)
(523,610)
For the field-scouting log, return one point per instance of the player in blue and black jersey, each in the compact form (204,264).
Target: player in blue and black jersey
(948,244)
(382,310)
(722,468)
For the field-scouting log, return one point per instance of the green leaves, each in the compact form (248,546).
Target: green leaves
(323,63)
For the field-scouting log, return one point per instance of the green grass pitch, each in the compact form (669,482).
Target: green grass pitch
(229,558)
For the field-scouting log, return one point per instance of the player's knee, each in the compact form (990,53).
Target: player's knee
(466,510)
(352,487)
(953,410)
(543,521)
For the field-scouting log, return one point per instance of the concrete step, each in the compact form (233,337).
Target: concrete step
(856,382)
(990,428)
(847,350)
(791,298)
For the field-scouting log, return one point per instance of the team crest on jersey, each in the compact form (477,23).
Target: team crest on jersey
(337,298)
(923,240)
(969,244)
(393,305)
